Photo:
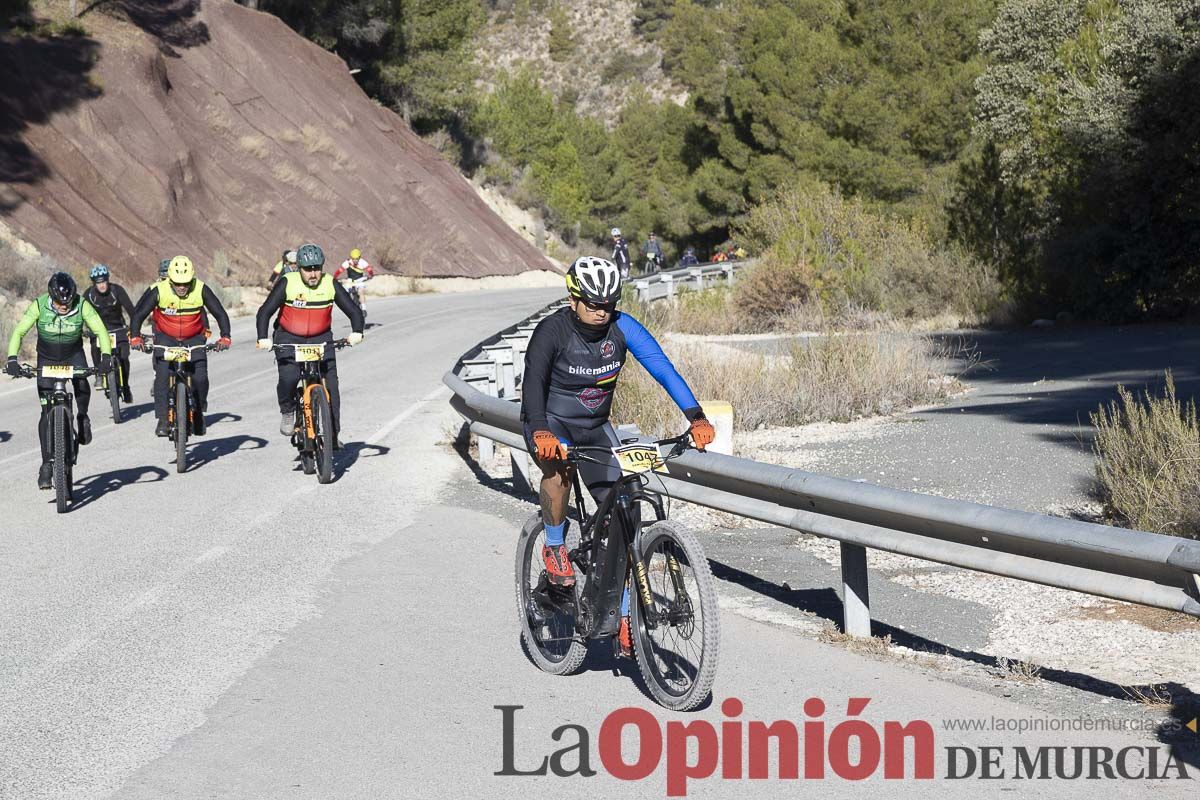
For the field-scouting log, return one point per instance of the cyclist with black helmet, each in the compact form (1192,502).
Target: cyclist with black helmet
(178,303)
(60,316)
(112,302)
(304,301)
(571,369)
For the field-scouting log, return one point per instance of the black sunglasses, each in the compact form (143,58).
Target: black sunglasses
(594,307)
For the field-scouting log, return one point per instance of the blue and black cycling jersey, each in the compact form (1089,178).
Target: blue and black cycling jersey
(571,370)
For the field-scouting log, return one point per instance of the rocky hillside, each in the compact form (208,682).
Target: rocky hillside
(594,59)
(207,128)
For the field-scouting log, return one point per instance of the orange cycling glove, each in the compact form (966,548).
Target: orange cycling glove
(549,448)
(702,433)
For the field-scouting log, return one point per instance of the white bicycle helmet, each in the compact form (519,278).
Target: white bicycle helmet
(616,232)
(596,280)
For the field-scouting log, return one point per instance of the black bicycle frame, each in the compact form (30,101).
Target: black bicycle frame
(608,565)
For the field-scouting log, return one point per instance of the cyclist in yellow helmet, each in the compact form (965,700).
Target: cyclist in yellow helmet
(177,303)
(357,272)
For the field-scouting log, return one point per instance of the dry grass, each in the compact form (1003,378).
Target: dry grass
(317,141)
(1155,696)
(820,379)
(284,172)
(255,145)
(1018,669)
(1147,459)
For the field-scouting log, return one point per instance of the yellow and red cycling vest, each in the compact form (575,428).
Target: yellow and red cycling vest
(307,311)
(179,317)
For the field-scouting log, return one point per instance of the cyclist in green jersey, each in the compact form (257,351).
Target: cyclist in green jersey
(60,315)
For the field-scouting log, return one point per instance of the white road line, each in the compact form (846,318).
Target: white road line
(383,432)
(211,554)
(28,387)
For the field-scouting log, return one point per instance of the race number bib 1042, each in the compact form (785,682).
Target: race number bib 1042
(58,371)
(638,458)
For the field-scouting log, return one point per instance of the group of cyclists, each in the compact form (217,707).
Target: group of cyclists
(572,363)
(652,252)
(180,307)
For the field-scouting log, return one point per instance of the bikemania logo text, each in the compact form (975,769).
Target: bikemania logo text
(852,750)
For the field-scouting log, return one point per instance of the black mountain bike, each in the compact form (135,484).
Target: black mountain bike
(314,434)
(64,447)
(356,296)
(112,381)
(181,402)
(674,619)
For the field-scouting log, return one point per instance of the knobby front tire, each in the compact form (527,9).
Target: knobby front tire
(182,424)
(323,423)
(677,657)
(113,381)
(60,427)
(552,645)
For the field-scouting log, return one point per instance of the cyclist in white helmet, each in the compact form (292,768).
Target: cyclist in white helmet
(571,369)
(620,254)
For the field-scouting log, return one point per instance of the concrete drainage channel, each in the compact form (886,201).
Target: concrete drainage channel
(1134,566)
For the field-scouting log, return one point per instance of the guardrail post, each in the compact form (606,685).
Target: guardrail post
(856,601)
(522,469)
(698,277)
(669,282)
(728,274)
(643,291)
(487,448)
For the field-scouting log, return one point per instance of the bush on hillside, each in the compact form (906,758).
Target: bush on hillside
(818,244)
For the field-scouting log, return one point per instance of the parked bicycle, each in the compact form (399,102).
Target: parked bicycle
(674,617)
(314,435)
(64,446)
(181,401)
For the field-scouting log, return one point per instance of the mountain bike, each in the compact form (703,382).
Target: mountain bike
(314,435)
(653,264)
(64,447)
(181,403)
(356,296)
(112,381)
(674,619)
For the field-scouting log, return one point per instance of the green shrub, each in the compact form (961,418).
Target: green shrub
(818,244)
(1148,461)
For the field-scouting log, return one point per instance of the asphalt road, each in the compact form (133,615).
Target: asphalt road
(240,631)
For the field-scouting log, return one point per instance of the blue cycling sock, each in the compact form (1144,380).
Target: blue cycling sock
(555,534)
(625,603)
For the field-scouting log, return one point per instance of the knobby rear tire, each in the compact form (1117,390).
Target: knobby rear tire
(60,430)
(182,424)
(703,596)
(323,423)
(559,659)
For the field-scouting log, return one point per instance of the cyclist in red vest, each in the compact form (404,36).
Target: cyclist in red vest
(305,301)
(178,303)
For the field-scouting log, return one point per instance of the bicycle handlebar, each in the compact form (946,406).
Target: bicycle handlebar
(149,348)
(337,344)
(680,443)
(30,371)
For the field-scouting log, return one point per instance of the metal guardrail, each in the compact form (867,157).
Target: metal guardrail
(1134,566)
(663,285)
